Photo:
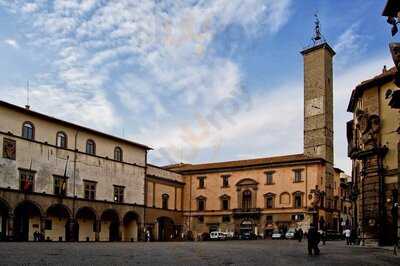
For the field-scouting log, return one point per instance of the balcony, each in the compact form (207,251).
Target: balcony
(247,213)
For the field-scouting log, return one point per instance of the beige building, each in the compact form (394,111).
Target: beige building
(373,137)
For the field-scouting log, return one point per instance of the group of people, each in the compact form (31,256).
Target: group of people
(38,236)
(298,234)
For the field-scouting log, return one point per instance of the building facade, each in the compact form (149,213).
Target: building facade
(373,146)
(66,182)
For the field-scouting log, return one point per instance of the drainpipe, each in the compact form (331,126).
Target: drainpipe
(72,222)
(145,199)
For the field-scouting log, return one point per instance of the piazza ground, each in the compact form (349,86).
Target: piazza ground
(260,252)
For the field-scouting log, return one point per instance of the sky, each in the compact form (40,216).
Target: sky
(196,80)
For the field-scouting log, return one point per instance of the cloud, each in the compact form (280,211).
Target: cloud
(30,7)
(11,42)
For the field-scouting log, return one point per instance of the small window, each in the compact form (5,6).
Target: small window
(9,149)
(201,204)
(298,200)
(225,181)
(61,140)
(225,204)
(200,219)
(27,180)
(165,199)
(28,131)
(90,190)
(60,185)
(297,176)
(201,181)
(226,218)
(118,154)
(269,202)
(269,219)
(118,194)
(48,225)
(90,147)
(269,178)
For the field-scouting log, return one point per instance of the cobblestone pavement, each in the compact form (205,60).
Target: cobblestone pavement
(260,252)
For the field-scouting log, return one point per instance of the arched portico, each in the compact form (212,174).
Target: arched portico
(130,222)
(28,219)
(165,229)
(57,219)
(86,223)
(109,226)
(4,211)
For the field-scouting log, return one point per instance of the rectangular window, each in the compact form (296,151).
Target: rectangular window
(270,202)
(9,149)
(297,176)
(201,181)
(200,219)
(27,180)
(225,204)
(297,201)
(269,177)
(269,219)
(119,194)
(60,185)
(225,181)
(90,190)
(226,219)
(201,205)
(48,225)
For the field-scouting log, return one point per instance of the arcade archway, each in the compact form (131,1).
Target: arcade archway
(27,220)
(56,225)
(165,229)
(86,225)
(130,222)
(109,229)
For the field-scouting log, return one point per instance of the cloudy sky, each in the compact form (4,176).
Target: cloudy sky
(197,80)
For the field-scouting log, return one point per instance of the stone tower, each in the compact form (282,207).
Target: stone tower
(318,100)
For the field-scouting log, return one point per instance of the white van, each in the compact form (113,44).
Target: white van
(215,235)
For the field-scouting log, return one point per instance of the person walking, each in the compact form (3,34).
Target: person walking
(313,239)
(347,234)
(300,234)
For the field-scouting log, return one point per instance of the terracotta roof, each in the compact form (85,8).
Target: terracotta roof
(242,163)
(69,124)
(382,78)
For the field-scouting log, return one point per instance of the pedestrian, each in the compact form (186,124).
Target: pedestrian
(347,234)
(300,234)
(35,236)
(313,239)
(353,236)
(323,237)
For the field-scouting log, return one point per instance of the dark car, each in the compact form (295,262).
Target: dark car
(333,235)
(247,236)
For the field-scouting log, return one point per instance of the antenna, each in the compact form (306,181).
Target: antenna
(27,106)
(317,38)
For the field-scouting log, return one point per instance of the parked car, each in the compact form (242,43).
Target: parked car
(205,237)
(333,235)
(215,235)
(247,236)
(290,234)
(276,234)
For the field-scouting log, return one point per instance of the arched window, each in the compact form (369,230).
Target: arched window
(90,147)
(165,198)
(28,131)
(61,140)
(118,154)
(246,200)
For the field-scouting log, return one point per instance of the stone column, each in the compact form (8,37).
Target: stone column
(98,228)
(42,227)
(10,226)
